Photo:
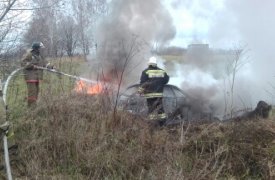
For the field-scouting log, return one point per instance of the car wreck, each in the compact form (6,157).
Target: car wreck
(177,104)
(180,107)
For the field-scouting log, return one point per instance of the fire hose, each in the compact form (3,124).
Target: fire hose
(5,128)
(65,74)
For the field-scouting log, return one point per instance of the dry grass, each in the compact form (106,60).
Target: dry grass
(77,137)
(72,136)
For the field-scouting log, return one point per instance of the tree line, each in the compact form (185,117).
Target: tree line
(65,27)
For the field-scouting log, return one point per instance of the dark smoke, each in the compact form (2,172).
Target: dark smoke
(126,35)
(207,75)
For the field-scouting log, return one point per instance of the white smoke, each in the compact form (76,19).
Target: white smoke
(223,24)
(250,22)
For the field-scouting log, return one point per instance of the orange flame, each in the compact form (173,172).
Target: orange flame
(84,87)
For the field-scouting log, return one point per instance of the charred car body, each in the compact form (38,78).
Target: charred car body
(177,104)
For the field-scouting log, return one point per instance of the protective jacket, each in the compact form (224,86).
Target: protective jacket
(31,58)
(152,81)
(33,75)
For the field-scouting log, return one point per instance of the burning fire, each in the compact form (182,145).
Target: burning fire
(84,87)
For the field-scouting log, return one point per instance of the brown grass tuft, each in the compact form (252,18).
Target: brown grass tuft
(76,137)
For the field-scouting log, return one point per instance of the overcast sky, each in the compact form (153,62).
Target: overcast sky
(227,23)
(193,19)
(221,23)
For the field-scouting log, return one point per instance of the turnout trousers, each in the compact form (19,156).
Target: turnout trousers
(33,90)
(156,110)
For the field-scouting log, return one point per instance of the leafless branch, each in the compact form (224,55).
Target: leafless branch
(8,8)
(34,8)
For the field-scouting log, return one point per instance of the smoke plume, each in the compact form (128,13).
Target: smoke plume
(251,23)
(232,25)
(126,35)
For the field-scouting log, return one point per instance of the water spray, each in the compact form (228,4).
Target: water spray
(68,75)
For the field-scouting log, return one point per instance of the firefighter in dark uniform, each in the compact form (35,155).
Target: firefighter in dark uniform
(33,75)
(152,83)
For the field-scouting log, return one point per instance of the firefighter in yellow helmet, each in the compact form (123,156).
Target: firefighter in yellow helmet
(152,83)
(33,75)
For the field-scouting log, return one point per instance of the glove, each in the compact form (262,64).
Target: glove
(140,90)
(30,66)
(49,66)
(35,67)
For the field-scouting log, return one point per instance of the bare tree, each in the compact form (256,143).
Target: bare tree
(43,26)
(86,13)
(64,25)
(67,32)
(8,19)
(238,58)
(118,58)
(130,50)
(6,8)
(11,21)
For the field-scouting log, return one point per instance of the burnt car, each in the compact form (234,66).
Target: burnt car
(175,102)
